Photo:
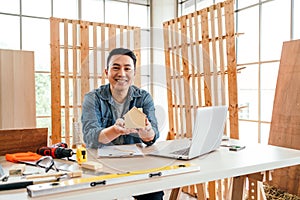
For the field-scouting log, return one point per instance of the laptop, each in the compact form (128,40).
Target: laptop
(207,135)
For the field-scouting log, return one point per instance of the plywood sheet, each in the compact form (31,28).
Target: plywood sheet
(285,125)
(17,89)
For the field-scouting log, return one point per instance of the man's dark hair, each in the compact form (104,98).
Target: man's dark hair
(121,51)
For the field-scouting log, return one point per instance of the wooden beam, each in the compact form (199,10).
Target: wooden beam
(231,65)
(55,81)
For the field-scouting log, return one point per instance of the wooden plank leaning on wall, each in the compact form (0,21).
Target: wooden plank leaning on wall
(22,140)
(285,124)
(17,89)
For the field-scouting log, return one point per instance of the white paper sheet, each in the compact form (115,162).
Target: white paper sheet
(119,151)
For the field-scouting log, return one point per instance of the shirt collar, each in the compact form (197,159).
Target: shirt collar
(105,93)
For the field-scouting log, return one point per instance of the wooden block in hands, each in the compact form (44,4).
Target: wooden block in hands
(135,118)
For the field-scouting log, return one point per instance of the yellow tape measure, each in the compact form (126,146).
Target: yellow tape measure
(81,154)
(146,171)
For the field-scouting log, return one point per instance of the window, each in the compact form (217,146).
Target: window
(116,12)
(65,9)
(12,6)
(40,8)
(92,10)
(10,36)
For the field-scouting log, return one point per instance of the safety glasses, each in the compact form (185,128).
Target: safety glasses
(46,162)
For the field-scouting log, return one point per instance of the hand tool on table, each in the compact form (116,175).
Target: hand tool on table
(73,174)
(81,154)
(107,179)
(32,159)
(3,176)
(37,179)
(61,150)
(58,150)
(24,183)
(23,156)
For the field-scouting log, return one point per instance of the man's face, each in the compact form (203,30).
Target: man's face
(120,72)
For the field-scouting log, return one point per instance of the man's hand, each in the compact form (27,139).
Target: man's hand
(110,133)
(119,127)
(146,134)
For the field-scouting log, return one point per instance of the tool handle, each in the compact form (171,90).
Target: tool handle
(16,157)
(15,185)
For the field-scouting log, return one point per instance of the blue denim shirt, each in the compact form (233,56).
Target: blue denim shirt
(97,114)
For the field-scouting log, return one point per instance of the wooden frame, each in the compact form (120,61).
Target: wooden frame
(201,71)
(78,59)
(201,66)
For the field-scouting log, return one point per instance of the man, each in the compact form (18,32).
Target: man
(103,109)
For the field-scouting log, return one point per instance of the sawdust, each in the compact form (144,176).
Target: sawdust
(277,194)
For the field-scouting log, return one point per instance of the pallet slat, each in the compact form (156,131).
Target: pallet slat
(55,81)
(232,72)
(66,81)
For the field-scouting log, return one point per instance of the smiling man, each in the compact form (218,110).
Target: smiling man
(103,109)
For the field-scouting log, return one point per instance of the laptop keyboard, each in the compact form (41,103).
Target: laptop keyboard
(182,152)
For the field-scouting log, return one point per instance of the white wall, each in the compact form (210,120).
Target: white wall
(161,11)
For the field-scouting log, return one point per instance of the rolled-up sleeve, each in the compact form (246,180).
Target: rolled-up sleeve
(149,110)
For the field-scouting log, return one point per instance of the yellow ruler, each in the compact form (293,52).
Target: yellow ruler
(109,179)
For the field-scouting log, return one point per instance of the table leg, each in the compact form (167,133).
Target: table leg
(201,191)
(212,190)
(175,194)
(256,190)
(238,189)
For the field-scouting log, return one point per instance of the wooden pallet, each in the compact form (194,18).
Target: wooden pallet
(78,58)
(201,71)
(201,66)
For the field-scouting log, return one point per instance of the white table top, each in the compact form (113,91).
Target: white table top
(216,165)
